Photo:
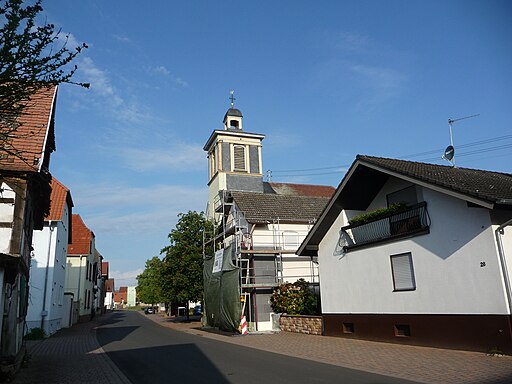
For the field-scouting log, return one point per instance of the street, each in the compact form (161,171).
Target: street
(147,353)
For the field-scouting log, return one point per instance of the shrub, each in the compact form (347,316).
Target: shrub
(377,214)
(35,334)
(295,299)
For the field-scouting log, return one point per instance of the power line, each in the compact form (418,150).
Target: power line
(342,168)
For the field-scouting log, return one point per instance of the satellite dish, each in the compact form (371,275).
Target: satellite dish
(449,152)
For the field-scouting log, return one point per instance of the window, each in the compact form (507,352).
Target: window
(405,196)
(290,240)
(239,158)
(403,272)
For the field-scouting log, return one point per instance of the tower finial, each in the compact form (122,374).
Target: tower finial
(232,98)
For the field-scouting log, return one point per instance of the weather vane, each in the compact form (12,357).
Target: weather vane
(232,98)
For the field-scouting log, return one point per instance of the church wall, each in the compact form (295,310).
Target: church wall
(226,157)
(254,160)
(237,182)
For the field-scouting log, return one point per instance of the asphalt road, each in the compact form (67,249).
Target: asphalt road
(149,353)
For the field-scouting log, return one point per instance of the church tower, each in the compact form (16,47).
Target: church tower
(234,158)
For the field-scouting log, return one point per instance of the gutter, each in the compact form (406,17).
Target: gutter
(499,232)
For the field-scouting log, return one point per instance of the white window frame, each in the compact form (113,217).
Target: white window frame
(402,271)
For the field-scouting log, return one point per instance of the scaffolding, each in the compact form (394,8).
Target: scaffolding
(273,244)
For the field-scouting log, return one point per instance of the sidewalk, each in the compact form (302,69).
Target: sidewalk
(71,356)
(421,364)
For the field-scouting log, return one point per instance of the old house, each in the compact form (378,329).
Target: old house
(417,253)
(24,203)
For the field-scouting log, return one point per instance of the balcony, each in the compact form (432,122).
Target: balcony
(411,221)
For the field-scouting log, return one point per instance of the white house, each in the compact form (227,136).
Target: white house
(260,226)
(81,265)
(432,271)
(48,264)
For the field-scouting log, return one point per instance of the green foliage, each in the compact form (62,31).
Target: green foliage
(295,299)
(183,260)
(35,334)
(31,57)
(376,214)
(149,282)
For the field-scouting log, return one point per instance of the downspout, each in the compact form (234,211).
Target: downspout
(79,283)
(500,231)
(44,313)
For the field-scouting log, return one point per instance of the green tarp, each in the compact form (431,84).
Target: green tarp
(222,291)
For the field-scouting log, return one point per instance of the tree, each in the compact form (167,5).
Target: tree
(32,56)
(183,261)
(149,282)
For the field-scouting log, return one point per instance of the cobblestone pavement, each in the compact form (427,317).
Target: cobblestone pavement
(421,364)
(73,355)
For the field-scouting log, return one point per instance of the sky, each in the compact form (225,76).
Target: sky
(323,80)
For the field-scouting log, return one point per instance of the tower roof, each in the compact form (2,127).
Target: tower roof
(233,112)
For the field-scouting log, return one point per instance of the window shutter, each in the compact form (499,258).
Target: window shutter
(239,158)
(403,273)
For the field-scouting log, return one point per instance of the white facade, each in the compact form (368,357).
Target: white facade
(456,266)
(47,276)
(80,281)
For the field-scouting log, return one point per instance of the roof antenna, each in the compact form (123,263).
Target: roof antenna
(232,98)
(449,152)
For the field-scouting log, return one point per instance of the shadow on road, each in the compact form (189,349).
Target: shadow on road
(176,363)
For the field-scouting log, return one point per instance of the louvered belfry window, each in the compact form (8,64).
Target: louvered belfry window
(403,272)
(239,158)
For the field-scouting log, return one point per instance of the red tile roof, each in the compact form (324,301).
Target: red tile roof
(303,189)
(81,237)
(59,197)
(104,268)
(109,285)
(35,133)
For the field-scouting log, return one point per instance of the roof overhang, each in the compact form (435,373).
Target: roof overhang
(223,132)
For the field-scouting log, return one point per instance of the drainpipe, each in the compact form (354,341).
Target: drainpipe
(499,232)
(44,312)
(79,283)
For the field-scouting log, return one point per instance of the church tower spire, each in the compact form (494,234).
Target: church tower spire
(234,157)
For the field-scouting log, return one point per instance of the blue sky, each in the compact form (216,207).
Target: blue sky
(323,80)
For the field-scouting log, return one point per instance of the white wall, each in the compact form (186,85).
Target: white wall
(6,216)
(447,266)
(48,263)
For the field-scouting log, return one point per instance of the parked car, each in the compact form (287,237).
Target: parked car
(149,310)
(198,310)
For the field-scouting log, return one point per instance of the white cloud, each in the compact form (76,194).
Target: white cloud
(161,70)
(352,41)
(125,279)
(122,39)
(387,80)
(124,209)
(177,157)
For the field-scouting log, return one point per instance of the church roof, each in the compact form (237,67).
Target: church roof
(263,207)
(300,189)
(233,112)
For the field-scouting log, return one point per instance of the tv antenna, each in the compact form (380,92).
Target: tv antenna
(449,152)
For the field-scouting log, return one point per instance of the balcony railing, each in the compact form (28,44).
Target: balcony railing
(412,221)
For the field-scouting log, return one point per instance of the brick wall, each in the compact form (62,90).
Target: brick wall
(301,324)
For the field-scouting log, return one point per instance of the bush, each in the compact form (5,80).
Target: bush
(295,299)
(35,334)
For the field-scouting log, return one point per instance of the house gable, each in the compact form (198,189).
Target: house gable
(367,176)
